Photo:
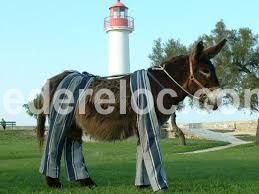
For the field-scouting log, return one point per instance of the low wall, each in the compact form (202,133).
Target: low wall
(243,127)
(237,126)
(246,126)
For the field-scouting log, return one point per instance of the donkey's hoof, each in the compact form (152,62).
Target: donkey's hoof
(88,182)
(54,183)
(143,186)
(163,190)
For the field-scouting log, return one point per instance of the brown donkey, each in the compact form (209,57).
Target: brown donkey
(184,74)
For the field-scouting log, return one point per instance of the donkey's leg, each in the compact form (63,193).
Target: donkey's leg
(141,179)
(50,163)
(75,163)
(149,145)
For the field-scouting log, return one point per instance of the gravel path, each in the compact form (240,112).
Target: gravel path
(216,136)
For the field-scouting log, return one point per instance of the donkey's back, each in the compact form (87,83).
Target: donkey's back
(120,123)
(113,126)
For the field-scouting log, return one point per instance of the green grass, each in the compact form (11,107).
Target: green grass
(246,137)
(112,166)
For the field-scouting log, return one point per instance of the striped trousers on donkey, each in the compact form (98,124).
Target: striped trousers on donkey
(149,168)
(59,127)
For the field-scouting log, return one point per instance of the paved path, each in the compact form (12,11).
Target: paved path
(216,148)
(216,136)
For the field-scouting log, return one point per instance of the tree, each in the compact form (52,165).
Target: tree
(157,56)
(27,109)
(163,51)
(36,103)
(238,65)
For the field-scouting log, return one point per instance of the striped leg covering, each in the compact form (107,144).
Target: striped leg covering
(149,168)
(74,160)
(141,172)
(59,127)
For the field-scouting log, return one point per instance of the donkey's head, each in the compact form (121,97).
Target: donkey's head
(203,74)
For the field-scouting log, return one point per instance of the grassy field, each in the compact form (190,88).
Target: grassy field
(112,166)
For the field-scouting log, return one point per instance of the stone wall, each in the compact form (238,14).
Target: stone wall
(237,126)
(246,127)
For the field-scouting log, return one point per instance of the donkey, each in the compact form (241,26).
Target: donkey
(184,74)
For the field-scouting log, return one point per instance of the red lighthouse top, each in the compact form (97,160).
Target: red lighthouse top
(118,4)
(118,18)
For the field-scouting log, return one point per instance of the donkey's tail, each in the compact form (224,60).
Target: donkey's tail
(50,87)
(41,129)
(41,120)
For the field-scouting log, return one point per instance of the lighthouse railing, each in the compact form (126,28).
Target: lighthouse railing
(113,22)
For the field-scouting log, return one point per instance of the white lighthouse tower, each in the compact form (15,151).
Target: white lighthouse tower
(118,26)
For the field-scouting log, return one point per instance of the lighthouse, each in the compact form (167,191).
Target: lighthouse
(118,26)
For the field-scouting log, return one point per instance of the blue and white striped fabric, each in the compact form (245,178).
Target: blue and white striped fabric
(149,168)
(59,127)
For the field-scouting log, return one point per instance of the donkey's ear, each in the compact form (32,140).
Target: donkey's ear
(214,50)
(197,52)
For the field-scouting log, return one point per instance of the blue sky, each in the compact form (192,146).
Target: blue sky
(39,39)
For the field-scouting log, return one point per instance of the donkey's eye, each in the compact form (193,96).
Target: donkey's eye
(205,72)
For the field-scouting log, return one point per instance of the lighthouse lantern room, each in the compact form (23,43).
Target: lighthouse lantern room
(118,27)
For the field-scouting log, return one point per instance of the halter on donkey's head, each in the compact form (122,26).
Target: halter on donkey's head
(208,53)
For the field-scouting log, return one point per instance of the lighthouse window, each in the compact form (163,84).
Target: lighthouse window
(116,13)
(122,14)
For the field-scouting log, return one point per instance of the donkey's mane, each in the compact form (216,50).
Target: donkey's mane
(177,64)
(175,59)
